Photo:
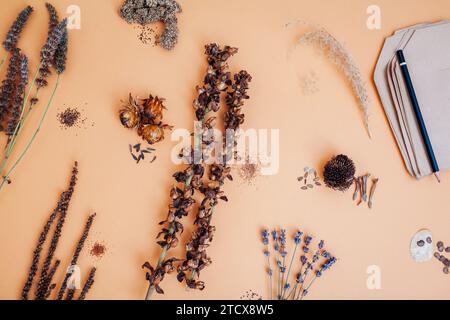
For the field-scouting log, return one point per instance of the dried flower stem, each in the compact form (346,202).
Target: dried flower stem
(8,174)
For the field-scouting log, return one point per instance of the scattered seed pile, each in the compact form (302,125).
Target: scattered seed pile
(438,255)
(138,153)
(72,117)
(251,295)
(147,35)
(149,11)
(309,179)
(249,171)
(98,250)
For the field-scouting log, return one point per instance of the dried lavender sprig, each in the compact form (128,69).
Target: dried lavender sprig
(42,285)
(77,252)
(61,53)
(13,35)
(266,242)
(297,241)
(42,238)
(17,106)
(87,286)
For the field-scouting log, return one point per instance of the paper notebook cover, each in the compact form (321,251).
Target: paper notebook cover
(428,57)
(396,103)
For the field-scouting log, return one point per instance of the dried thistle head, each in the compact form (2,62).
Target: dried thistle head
(130,116)
(152,109)
(339,173)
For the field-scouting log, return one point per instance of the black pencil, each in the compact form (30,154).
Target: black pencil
(418,114)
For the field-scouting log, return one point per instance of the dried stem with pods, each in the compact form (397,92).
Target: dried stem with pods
(45,284)
(193,179)
(18,97)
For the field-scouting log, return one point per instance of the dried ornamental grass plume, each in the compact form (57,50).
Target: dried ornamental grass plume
(13,35)
(9,86)
(340,56)
(150,11)
(339,173)
(48,52)
(18,97)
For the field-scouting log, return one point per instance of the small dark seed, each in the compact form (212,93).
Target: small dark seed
(447,249)
(299,178)
(421,243)
(154,158)
(429,240)
(445,270)
(442,258)
(304,188)
(437,255)
(447,263)
(439,244)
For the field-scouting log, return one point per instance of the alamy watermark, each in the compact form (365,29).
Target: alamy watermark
(258,146)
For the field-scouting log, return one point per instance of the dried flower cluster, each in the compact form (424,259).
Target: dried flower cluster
(45,285)
(13,35)
(339,173)
(14,95)
(195,177)
(312,264)
(150,11)
(146,115)
(340,56)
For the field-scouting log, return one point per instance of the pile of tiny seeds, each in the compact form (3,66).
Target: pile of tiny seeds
(249,171)
(138,154)
(251,295)
(71,117)
(98,250)
(147,35)
(309,179)
(445,261)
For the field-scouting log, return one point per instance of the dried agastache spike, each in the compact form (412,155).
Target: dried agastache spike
(17,99)
(13,35)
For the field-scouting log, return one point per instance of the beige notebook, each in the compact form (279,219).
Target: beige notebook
(431,71)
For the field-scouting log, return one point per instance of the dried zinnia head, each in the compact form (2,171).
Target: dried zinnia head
(339,173)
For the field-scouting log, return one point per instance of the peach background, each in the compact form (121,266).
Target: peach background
(106,61)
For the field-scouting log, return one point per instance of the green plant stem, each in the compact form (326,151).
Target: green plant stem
(307,288)
(270,279)
(289,271)
(24,152)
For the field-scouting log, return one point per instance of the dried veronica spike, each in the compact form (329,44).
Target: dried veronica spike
(42,285)
(13,35)
(340,56)
(87,286)
(77,252)
(48,52)
(17,102)
(9,85)
(43,237)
